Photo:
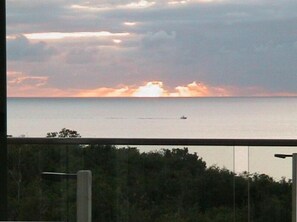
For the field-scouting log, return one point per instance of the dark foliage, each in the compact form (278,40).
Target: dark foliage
(167,185)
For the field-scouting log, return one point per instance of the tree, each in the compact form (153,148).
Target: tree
(64,133)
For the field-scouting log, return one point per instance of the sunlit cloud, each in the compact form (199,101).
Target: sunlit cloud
(142,4)
(130,23)
(20,85)
(62,35)
(106,92)
(206,1)
(183,2)
(200,90)
(89,8)
(139,5)
(210,1)
(157,89)
(18,78)
(117,41)
(178,2)
(11,37)
(31,91)
(151,89)
(194,89)
(23,85)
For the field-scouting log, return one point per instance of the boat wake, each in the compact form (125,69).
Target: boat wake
(148,118)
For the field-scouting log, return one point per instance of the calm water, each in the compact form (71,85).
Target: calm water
(156,117)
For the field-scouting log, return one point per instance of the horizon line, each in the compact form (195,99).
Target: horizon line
(141,97)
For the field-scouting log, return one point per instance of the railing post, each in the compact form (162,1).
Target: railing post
(84,196)
(294,187)
(3,114)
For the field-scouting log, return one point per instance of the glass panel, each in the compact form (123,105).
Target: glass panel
(152,183)
(144,183)
(33,196)
(241,183)
(270,184)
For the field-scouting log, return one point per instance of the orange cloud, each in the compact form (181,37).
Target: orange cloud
(151,89)
(156,89)
(106,92)
(194,89)
(62,35)
(18,78)
(21,85)
(199,90)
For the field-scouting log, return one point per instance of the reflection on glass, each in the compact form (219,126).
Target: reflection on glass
(129,183)
(270,184)
(150,183)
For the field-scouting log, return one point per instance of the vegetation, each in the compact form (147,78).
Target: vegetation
(166,185)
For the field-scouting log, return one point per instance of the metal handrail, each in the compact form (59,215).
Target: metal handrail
(156,141)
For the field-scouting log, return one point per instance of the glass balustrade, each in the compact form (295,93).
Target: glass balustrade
(151,182)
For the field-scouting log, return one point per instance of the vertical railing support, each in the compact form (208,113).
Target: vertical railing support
(294,182)
(294,187)
(3,114)
(84,196)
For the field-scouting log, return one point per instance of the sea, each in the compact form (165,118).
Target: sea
(155,117)
(267,117)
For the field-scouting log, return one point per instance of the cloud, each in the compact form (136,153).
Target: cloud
(130,23)
(140,4)
(106,92)
(20,79)
(62,35)
(159,36)
(200,90)
(78,55)
(21,85)
(230,46)
(20,48)
(151,89)
(107,6)
(194,89)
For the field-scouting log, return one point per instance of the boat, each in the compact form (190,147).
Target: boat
(183,117)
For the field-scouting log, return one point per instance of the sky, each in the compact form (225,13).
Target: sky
(176,48)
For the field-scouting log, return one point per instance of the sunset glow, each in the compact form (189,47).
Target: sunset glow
(117,41)
(21,85)
(16,79)
(177,2)
(151,89)
(89,8)
(61,35)
(130,23)
(139,5)
(199,90)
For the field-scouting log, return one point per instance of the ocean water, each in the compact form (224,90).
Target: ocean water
(155,117)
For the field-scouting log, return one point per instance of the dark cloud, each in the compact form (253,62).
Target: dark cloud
(81,56)
(21,49)
(235,43)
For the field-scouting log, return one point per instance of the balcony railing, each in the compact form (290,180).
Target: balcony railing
(153,179)
(157,141)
